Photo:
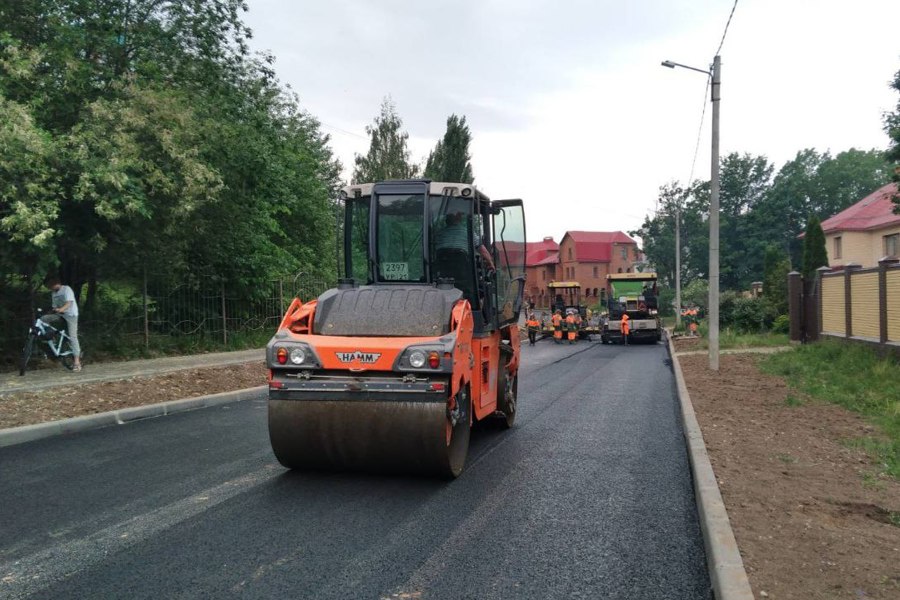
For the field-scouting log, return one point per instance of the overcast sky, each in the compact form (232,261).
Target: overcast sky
(567,102)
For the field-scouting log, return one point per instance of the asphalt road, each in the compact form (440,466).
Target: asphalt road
(588,496)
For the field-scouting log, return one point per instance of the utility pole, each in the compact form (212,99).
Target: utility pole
(713,310)
(678,265)
(714,221)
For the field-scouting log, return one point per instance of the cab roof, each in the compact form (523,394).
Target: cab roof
(436,188)
(631,276)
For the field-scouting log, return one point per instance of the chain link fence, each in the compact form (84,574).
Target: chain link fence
(202,313)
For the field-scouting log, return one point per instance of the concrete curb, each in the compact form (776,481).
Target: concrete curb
(723,559)
(28,433)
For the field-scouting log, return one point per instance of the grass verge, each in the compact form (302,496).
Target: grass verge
(852,376)
(731,339)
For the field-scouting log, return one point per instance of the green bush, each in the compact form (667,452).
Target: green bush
(781,324)
(666,302)
(745,315)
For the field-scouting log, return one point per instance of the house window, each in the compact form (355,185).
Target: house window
(620,269)
(596,271)
(837,247)
(624,253)
(570,254)
(891,244)
(543,274)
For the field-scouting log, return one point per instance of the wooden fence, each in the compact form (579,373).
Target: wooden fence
(856,304)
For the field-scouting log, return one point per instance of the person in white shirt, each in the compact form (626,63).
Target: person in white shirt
(65,308)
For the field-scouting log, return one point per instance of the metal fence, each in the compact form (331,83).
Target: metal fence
(144,314)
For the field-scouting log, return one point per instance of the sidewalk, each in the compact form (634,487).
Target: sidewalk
(43,379)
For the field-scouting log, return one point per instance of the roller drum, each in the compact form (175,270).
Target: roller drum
(386,436)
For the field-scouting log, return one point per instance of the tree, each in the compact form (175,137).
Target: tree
(814,253)
(450,159)
(388,157)
(818,184)
(133,131)
(848,177)
(696,293)
(745,181)
(658,232)
(776,269)
(892,128)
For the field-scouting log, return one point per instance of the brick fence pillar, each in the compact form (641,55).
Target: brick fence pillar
(883,265)
(795,305)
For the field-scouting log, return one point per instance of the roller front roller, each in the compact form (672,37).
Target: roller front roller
(422,436)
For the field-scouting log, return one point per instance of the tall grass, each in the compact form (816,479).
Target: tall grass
(852,376)
(730,338)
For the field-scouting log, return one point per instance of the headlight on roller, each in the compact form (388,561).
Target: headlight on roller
(298,356)
(417,359)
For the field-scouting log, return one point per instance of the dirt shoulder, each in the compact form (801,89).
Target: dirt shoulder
(812,516)
(27,408)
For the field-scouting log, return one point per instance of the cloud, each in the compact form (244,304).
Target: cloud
(568,105)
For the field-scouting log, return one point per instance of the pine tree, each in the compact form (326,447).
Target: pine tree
(892,128)
(814,253)
(450,159)
(776,269)
(388,156)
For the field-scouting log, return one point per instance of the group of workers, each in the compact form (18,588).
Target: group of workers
(570,324)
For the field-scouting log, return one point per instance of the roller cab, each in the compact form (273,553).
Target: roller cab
(388,371)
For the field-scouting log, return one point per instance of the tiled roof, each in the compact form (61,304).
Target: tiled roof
(553,259)
(537,252)
(872,212)
(596,246)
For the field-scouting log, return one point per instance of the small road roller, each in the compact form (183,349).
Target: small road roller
(388,371)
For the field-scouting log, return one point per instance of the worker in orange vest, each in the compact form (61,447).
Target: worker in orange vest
(533,324)
(557,327)
(625,328)
(571,328)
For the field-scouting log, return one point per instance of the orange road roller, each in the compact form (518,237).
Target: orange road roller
(388,371)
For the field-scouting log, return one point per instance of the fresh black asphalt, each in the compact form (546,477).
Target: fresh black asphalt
(588,496)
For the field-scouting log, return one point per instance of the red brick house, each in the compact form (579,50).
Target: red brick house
(541,259)
(588,256)
(582,256)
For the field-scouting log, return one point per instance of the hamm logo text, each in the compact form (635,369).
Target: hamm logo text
(366,358)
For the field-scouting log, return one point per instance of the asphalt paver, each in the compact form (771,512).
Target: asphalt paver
(588,496)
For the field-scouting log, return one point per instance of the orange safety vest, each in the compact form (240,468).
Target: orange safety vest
(557,319)
(624,324)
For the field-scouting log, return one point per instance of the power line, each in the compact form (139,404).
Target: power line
(344,131)
(724,33)
(699,135)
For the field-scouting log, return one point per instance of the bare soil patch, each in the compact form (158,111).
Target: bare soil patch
(28,408)
(812,516)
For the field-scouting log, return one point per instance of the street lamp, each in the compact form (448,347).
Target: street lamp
(716,75)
